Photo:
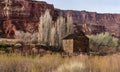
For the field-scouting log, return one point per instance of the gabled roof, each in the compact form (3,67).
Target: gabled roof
(70,36)
(74,35)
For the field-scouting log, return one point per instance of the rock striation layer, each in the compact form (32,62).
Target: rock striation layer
(93,23)
(24,15)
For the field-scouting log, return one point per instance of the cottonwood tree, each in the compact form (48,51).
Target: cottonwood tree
(60,27)
(51,33)
(44,28)
(69,24)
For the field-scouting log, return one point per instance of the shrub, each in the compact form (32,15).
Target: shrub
(5,47)
(102,41)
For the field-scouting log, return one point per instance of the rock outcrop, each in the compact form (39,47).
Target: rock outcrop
(24,15)
(93,23)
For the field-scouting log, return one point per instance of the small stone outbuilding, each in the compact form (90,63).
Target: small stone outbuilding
(76,43)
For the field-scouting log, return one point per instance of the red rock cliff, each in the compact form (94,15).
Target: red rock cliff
(24,15)
(93,22)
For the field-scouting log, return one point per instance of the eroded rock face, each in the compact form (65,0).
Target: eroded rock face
(24,15)
(93,23)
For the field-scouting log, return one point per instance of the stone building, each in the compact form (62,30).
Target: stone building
(76,43)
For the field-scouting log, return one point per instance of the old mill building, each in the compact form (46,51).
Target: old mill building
(76,43)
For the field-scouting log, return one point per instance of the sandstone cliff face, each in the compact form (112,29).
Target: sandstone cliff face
(24,15)
(93,23)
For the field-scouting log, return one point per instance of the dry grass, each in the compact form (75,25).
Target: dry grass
(17,63)
(56,63)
